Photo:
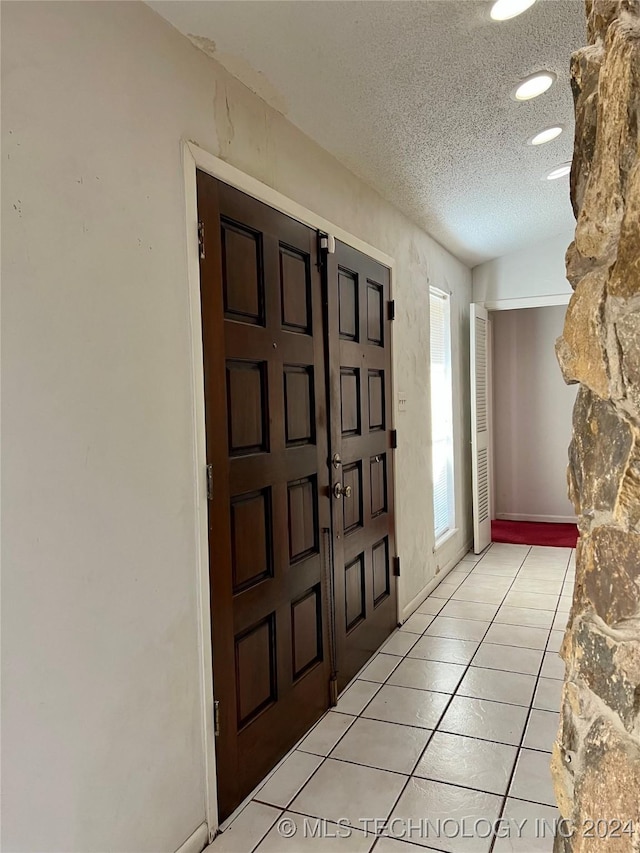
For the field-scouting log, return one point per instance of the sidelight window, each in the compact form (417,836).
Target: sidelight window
(441,413)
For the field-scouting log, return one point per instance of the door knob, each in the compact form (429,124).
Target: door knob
(339,490)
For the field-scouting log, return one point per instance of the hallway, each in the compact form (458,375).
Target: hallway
(453,719)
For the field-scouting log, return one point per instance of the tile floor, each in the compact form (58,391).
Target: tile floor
(447,729)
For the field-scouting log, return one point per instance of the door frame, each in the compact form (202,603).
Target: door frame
(193,158)
(491,306)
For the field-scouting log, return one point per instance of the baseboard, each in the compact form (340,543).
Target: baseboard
(550,519)
(417,600)
(197,841)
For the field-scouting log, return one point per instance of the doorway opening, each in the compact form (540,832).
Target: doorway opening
(523,411)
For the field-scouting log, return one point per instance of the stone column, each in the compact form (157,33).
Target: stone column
(596,758)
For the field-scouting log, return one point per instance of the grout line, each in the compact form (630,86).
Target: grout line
(262,837)
(518,747)
(448,705)
(524,731)
(432,731)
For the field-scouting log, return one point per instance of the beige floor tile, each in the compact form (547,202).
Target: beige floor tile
(328,732)
(470,557)
(564,605)
(524,616)
(469,610)
(546,586)
(444,590)
(469,762)
(508,658)
(545,551)
(560,621)
(553,666)
(490,582)
(380,667)
(495,569)
(459,570)
(514,688)
(427,675)
(284,784)
(394,845)
(541,730)
(431,606)
(387,746)
(530,828)
(356,697)
(417,623)
(459,629)
(507,561)
(339,790)
(407,706)
(483,596)
(555,641)
(486,720)
(536,571)
(515,635)
(548,696)
(399,643)
(294,833)
(443,649)
(531,599)
(532,778)
(440,802)
(509,548)
(251,825)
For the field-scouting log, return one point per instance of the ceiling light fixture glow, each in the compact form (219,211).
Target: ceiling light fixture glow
(504,10)
(559,172)
(534,85)
(546,135)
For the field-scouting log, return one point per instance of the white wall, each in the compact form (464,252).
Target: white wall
(532,410)
(102,725)
(537,271)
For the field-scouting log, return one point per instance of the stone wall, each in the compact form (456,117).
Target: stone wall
(596,758)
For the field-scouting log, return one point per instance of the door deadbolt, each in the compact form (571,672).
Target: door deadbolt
(339,490)
(336,459)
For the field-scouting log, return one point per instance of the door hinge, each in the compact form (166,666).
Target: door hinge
(216,717)
(201,239)
(209,482)
(396,567)
(393,437)
(391,309)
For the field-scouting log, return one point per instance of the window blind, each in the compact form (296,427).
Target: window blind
(441,412)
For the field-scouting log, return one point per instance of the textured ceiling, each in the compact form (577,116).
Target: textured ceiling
(414,97)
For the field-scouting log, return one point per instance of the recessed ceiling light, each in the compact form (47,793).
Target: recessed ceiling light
(533,85)
(546,135)
(503,10)
(559,172)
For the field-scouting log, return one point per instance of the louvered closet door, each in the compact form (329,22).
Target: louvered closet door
(266,421)
(480,422)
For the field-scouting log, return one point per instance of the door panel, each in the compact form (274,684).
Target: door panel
(266,420)
(360,402)
(480,424)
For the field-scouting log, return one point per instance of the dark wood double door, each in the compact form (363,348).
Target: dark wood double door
(298,416)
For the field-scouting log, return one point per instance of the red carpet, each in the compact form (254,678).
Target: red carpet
(534,533)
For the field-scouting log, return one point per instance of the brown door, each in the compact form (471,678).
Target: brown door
(269,507)
(362,462)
